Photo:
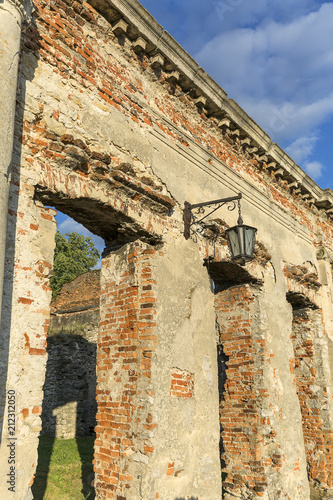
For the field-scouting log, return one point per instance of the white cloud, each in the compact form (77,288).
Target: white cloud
(70,225)
(275,58)
(194,22)
(314,169)
(301,149)
(280,72)
(237,13)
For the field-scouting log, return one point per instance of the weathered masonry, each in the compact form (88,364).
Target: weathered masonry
(69,402)
(210,375)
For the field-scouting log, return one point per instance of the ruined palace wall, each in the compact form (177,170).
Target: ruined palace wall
(157,400)
(117,127)
(128,105)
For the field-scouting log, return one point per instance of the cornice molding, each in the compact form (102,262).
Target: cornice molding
(192,76)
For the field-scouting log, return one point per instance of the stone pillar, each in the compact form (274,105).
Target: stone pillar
(312,373)
(260,414)
(157,433)
(12,14)
(26,306)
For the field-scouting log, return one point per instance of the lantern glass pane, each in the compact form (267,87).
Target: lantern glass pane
(234,242)
(241,242)
(249,233)
(241,237)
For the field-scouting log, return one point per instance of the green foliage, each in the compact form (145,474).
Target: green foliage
(74,255)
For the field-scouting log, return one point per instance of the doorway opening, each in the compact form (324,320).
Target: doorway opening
(66,443)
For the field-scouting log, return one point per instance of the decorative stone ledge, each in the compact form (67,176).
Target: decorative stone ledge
(209,97)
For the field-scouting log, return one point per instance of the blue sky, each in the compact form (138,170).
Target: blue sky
(274,57)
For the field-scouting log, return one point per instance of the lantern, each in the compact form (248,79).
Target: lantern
(241,241)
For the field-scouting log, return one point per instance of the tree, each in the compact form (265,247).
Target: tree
(74,255)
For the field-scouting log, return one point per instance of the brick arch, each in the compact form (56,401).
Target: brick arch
(100,207)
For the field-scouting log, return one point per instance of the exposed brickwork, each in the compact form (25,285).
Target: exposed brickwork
(126,344)
(108,139)
(60,38)
(34,283)
(239,418)
(80,294)
(311,384)
(244,432)
(181,384)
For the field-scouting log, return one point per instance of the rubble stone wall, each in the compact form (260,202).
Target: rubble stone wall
(69,404)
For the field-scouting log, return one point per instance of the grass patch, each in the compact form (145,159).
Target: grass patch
(64,470)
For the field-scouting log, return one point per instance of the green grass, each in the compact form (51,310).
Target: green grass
(64,470)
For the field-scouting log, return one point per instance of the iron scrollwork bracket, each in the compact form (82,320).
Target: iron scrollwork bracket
(190,218)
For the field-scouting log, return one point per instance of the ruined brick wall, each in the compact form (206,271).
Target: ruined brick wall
(117,126)
(312,377)
(238,407)
(80,294)
(249,448)
(74,40)
(127,342)
(148,355)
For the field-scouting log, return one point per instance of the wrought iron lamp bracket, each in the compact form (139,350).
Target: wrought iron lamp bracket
(189,216)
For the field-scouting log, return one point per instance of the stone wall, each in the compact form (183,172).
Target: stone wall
(69,404)
(117,126)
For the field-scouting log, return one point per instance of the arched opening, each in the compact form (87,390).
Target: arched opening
(72,353)
(311,372)
(69,403)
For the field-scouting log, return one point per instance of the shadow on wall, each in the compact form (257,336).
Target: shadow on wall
(69,405)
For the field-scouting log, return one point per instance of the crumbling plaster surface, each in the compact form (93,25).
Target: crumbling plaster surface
(178,173)
(26,301)
(12,14)
(98,162)
(281,407)
(187,432)
(179,169)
